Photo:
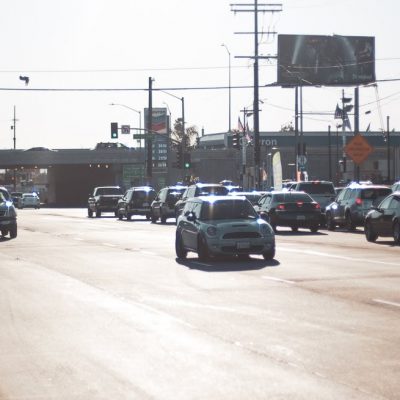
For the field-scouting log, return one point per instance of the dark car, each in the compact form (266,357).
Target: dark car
(223,225)
(199,189)
(292,209)
(163,206)
(136,201)
(8,215)
(104,199)
(352,205)
(384,220)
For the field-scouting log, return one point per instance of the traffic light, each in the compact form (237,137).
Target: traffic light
(179,158)
(114,130)
(186,161)
(236,140)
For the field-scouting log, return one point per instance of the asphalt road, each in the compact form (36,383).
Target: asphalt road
(101,309)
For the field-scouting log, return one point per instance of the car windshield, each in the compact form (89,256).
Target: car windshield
(317,188)
(2,198)
(144,195)
(228,209)
(213,190)
(108,191)
(4,194)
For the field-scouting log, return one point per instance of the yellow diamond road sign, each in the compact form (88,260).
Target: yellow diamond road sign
(358,149)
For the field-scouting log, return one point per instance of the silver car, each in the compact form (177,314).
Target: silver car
(223,225)
(8,215)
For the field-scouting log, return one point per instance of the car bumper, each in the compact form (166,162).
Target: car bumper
(243,246)
(300,221)
(7,221)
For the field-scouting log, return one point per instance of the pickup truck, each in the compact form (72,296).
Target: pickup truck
(104,199)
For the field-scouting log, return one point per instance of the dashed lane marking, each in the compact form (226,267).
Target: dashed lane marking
(389,303)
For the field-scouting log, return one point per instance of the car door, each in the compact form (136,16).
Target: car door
(123,205)
(387,210)
(156,206)
(186,227)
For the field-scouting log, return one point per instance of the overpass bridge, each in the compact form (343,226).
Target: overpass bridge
(72,173)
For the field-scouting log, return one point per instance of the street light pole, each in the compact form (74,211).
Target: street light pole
(230,87)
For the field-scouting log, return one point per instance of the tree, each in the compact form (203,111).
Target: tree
(191,134)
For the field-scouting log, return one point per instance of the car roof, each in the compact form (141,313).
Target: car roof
(365,186)
(207,184)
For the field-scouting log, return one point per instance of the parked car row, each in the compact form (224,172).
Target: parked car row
(8,215)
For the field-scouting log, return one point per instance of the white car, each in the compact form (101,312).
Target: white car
(29,200)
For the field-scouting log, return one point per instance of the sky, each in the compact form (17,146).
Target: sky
(114,47)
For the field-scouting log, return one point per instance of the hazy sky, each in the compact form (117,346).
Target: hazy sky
(119,44)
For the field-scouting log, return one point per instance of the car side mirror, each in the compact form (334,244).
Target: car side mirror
(190,216)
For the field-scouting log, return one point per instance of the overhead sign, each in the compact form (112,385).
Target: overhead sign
(358,149)
(126,129)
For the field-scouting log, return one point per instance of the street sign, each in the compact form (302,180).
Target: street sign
(358,149)
(139,136)
(301,161)
(126,129)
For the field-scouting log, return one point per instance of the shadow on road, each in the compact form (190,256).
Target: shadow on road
(227,264)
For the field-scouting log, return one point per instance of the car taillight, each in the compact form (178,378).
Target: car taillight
(316,206)
(300,204)
(280,207)
(358,201)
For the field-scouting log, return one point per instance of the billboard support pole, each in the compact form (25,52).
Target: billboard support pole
(296,129)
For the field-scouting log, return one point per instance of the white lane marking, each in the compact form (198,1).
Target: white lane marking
(321,254)
(182,303)
(80,239)
(109,244)
(390,303)
(277,279)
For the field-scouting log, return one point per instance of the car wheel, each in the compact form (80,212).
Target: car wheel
(98,214)
(13,232)
(349,223)
(294,228)
(128,216)
(120,216)
(269,255)
(396,232)
(153,217)
(90,213)
(163,218)
(314,228)
(329,222)
(370,235)
(179,248)
(202,249)
(148,216)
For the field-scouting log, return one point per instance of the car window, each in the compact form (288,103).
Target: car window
(2,198)
(317,188)
(213,190)
(196,209)
(108,191)
(228,209)
(349,193)
(143,195)
(385,203)
(5,194)
(373,194)
(342,194)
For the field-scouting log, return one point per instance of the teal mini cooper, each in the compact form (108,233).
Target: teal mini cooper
(223,225)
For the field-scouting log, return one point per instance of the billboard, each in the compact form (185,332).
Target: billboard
(310,60)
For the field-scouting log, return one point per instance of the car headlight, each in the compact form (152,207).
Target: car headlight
(266,229)
(211,231)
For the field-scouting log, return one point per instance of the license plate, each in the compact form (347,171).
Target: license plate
(243,245)
(301,217)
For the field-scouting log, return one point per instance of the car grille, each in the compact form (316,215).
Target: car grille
(241,235)
(235,250)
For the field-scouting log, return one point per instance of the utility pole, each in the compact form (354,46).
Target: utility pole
(14,128)
(356,126)
(388,147)
(149,171)
(256,8)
